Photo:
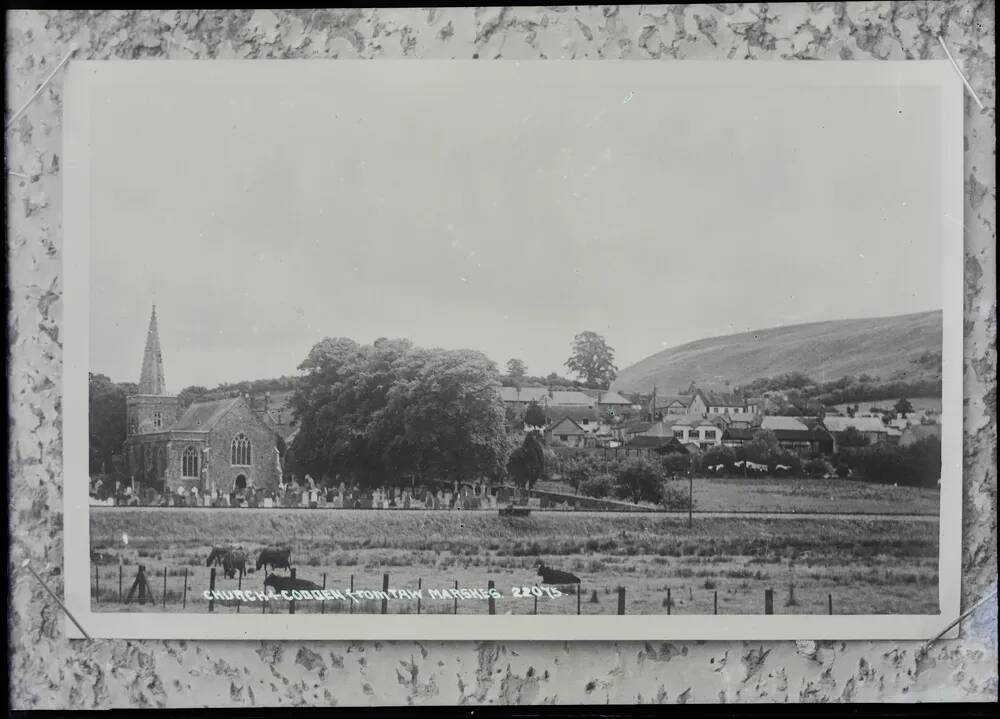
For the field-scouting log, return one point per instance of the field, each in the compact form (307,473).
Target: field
(920,404)
(844,496)
(866,565)
(812,495)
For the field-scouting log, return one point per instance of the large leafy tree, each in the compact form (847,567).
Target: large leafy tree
(516,369)
(107,414)
(534,415)
(382,411)
(592,359)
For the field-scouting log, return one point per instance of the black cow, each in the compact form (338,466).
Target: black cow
(235,561)
(555,576)
(232,558)
(280,584)
(275,557)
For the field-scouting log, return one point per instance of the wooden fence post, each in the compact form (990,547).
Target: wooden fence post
(239,586)
(120,595)
(578,584)
(164,587)
(385,590)
(291,604)
(352,592)
(670,602)
(322,604)
(829,603)
(456,597)
(211,590)
(184,601)
(768,601)
(621,600)
(420,583)
(490,585)
(97,582)
(715,602)
(536,602)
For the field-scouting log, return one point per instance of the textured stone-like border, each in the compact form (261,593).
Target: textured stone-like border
(49,672)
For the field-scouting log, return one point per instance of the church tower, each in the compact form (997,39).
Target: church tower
(152,409)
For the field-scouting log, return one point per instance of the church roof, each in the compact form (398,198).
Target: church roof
(202,416)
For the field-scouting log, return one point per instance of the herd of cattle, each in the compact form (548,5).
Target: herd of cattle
(234,559)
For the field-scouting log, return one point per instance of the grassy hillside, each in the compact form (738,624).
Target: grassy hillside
(887,347)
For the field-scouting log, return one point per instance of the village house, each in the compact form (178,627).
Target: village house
(731,405)
(699,402)
(568,432)
(612,404)
(219,445)
(697,432)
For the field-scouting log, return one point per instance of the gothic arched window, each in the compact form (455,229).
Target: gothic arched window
(158,419)
(241,451)
(189,462)
(133,424)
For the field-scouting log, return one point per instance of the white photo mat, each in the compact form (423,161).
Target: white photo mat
(83,77)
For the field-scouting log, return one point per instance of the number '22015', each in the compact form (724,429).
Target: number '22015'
(536,591)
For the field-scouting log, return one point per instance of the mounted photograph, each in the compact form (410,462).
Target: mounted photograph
(513,350)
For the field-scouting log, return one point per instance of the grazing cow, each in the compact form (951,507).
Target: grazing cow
(235,560)
(280,584)
(275,557)
(555,576)
(218,554)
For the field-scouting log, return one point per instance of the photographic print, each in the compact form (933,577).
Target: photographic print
(554,350)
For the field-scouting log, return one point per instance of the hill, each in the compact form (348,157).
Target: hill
(890,348)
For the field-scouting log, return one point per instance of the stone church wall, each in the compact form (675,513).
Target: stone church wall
(262,473)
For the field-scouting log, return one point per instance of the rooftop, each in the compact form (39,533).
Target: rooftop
(202,416)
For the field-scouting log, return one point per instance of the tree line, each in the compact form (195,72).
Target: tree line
(797,393)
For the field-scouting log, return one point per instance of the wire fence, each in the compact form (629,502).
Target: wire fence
(176,590)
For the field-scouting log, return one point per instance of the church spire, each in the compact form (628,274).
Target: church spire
(151,380)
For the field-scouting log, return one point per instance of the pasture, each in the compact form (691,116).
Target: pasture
(795,494)
(868,565)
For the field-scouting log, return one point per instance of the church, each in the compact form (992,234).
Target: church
(222,445)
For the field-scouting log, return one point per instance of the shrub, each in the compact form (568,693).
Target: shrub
(674,497)
(640,480)
(599,486)
(918,465)
(715,456)
(816,468)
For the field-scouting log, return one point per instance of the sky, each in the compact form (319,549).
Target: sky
(504,213)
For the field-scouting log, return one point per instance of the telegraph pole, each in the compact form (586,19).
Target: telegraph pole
(690,497)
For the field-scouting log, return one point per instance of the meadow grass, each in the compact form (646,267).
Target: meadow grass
(869,565)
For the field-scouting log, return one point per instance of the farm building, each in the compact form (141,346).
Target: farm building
(873,429)
(792,434)
(917,432)
(660,445)
(222,445)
